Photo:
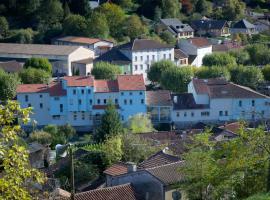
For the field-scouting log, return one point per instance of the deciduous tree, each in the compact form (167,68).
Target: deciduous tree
(140,123)
(34,76)
(75,25)
(219,59)
(104,70)
(39,63)
(156,69)
(8,85)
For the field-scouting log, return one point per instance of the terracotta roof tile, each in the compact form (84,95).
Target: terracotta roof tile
(120,192)
(199,41)
(103,86)
(11,66)
(79,81)
(130,82)
(158,98)
(117,169)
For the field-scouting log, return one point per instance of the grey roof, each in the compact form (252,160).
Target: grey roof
(113,56)
(158,98)
(168,174)
(208,24)
(179,54)
(11,66)
(175,25)
(34,147)
(186,101)
(36,49)
(144,44)
(243,24)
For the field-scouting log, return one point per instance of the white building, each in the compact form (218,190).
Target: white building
(99,46)
(196,49)
(80,100)
(61,57)
(216,100)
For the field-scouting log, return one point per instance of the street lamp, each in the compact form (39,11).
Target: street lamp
(62,151)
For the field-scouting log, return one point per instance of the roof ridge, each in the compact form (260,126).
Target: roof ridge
(249,89)
(177,162)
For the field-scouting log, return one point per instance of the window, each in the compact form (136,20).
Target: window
(98,101)
(82,91)
(192,114)
(26,98)
(83,116)
(135,58)
(71,101)
(141,57)
(170,56)
(142,101)
(40,96)
(130,93)
(40,105)
(122,93)
(61,107)
(205,113)
(141,67)
(253,102)
(147,57)
(164,56)
(56,98)
(74,117)
(220,113)
(136,67)
(141,93)
(177,114)
(130,101)
(56,117)
(226,113)
(148,67)
(74,91)
(116,101)
(29,105)
(240,103)
(125,102)
(122,118)
(262,112)
(89,91)
(185,114)
(90,101)
(80,102)
(153,57)
(105,101)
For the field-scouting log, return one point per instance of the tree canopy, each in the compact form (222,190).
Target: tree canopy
(140,123)
(104,70)
(156,69)
(219,59)
(8,85)
(39,63)
(34,76)
(213,72)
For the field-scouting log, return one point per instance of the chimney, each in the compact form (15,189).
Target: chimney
(131,167)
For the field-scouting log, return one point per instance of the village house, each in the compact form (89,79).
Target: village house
(245,27)
(215,28)
(11,66)
(99,46)
(80,100)
(196,48)
(174,26)
(180,57)
(62,58)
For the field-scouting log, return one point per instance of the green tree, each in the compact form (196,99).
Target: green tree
(233,10)
(80,7)
(34,76)
(110,124)
(41,137)
(8,85)
(168,38)
(4,27)
(203,7)
(125,4)
(75,25)
(23,36)
(219,59)
(17,176)
(259,54)
(156,69)
(213,72)
(39,63)
(140,123)
(241,56)
(115,17)
(176,79)
(134,27)
(98,26)
(266,72)
(104,70)
(249,76)
(170,8)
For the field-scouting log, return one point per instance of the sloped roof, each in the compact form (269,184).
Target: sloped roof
(158,159)
(37,49)
(208,24)
(82,40)
(199,41)
(220,48)
(103,86)
(131,82)
(113,56)
(158,98)
(144,44)
(220,88)
(117,169)
(243,24)
(179,54)
(168,174)
(176,25)
(11,66)
(185,101)
(79,81)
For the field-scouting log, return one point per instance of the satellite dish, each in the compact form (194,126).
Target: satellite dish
(61,150)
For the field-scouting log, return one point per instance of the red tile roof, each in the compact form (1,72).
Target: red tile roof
(82,40)
(104,86)
(131,82)
(79,81)
(120,192)
(117,169)
(158,98)
(199,41)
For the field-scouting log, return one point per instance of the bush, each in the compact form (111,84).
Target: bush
(219,59)
(34,76)
(266,72)
(39,63)
(104,70)
(41,137)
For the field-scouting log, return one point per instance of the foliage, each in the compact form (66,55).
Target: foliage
(266,72)
(39,63)
(110,124)
(34,76)
(241,57)
(250,76)
(176,79)
(170,8)
(213,72)
(41,137)
(134,27)
(168,37)
(80,7)
(259,54)
(219,59)
(4,27)
(98,26)
(136,149)
(125,4)
(233,10)
(259,197)
(104,70)
(8,85)
(203,7)
(75,25)
(17,176)
(140,123)
(156,69)
(23,36)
